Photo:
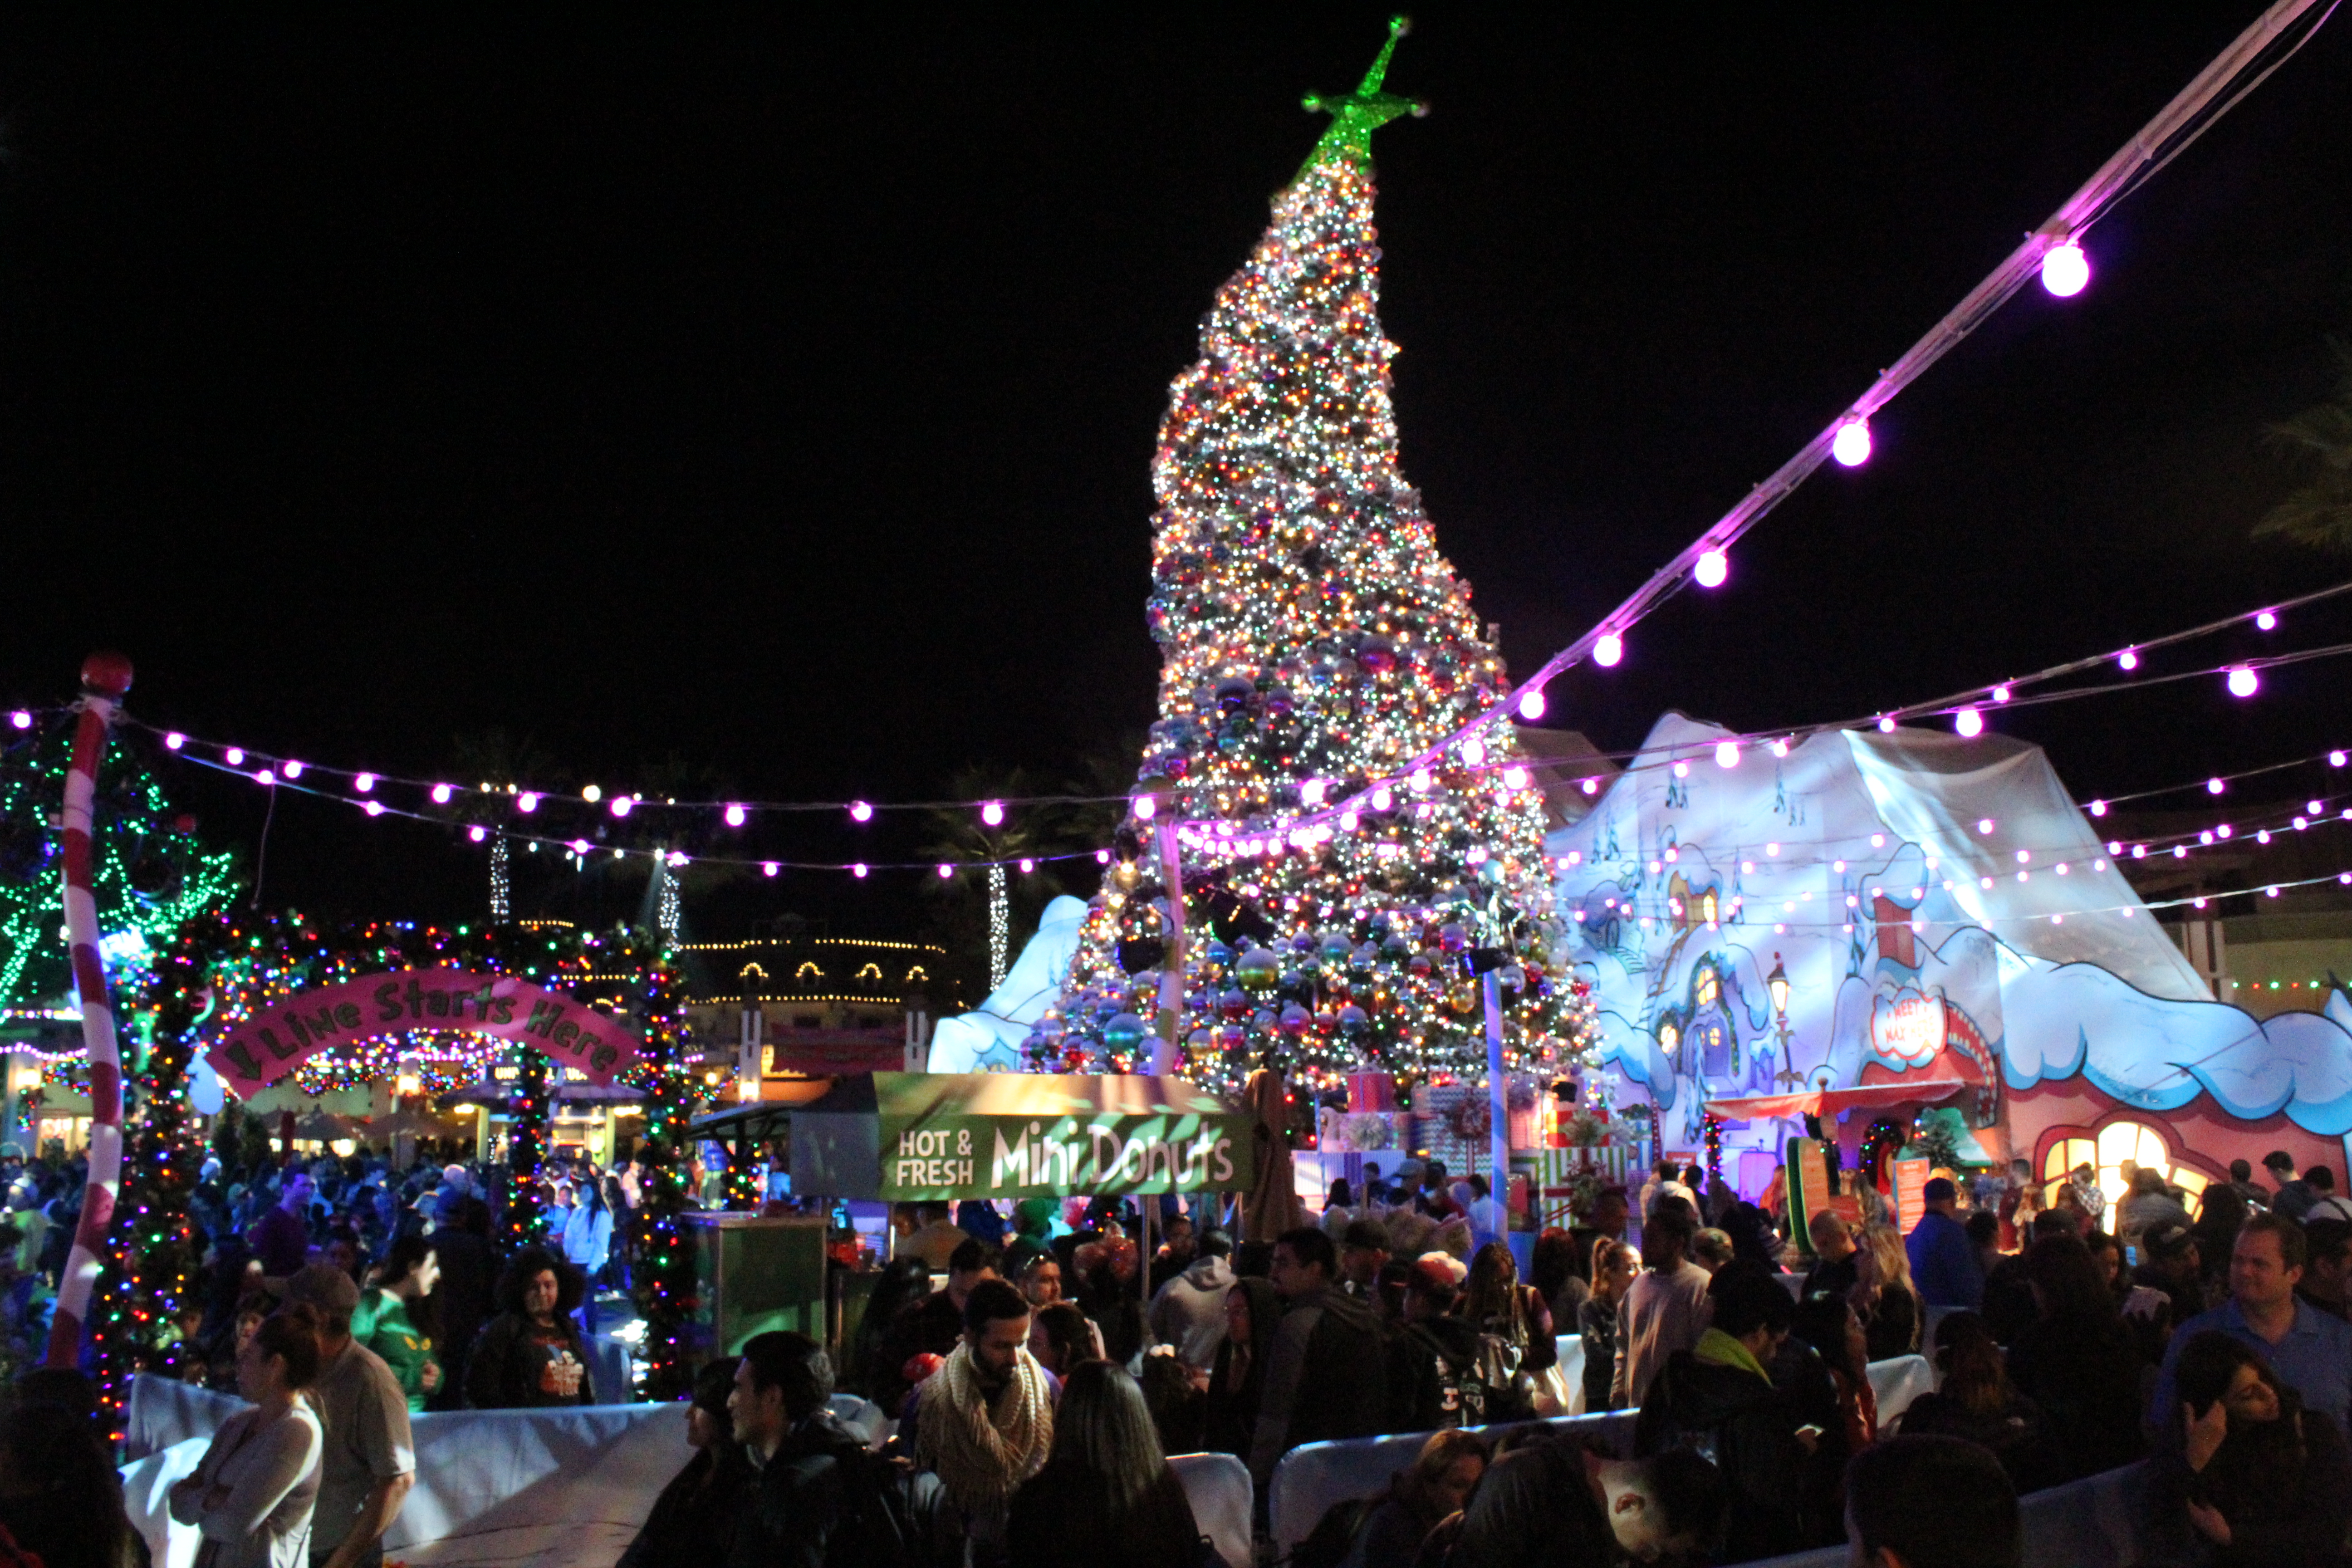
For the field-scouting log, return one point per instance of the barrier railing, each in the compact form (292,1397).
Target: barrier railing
(569,1489)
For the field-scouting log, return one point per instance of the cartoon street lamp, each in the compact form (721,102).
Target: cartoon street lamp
(1777,982)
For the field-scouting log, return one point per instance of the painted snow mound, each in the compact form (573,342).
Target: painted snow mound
(1910,884)
(988,1038)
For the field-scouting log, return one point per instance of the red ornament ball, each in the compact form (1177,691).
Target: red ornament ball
(106,674)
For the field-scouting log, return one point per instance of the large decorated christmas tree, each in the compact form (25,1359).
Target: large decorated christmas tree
(1316,644)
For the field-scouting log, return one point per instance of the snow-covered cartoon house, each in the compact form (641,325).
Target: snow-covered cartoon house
(1898,920)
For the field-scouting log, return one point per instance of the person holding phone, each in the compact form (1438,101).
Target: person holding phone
(1719,1401)
(2250,1471)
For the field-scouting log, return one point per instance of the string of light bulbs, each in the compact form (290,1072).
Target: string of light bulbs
(2053,252)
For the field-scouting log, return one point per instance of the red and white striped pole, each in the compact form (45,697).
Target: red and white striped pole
(105,677)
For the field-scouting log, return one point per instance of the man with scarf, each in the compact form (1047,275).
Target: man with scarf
(984,1422)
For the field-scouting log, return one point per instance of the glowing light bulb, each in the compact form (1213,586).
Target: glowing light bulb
(2128,661)
(736,816)
(579,847)
(478,833)
(1851,445)
(2215,786)
(1726,753)
(2244,682)
(1514,777)
(2099,808)
(264,776)
(1382,798)
(1608,650)
(2336,759)
(1027,867)
(2000,694)
(24,720)
(769,869)
(1969,723)
(528,801)
(1419,780)
(2267,621)
(1474,752)
(172,743)
(1592,786)
(1985,824)
(2065,270)
(859,811)
(1886,724)
(623,805)
(1531,704)
(374,808)
(1713,569)
(592,794)
(293,769)
(364,783)
(858,870)
(233,756)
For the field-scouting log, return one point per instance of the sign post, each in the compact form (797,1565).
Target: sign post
(1809,1189)
(1911,1192)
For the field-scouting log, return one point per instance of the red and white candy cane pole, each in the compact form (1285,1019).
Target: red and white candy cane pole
(105,677)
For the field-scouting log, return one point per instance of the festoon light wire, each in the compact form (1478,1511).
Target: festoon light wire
(2191,112)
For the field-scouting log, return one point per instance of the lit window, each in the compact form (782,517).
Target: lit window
(2118,1141)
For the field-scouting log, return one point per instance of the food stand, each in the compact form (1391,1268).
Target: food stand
(900,1137)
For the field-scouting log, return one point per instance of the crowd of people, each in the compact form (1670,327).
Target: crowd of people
(1034,1399)
(339,1296)
(2206,1334)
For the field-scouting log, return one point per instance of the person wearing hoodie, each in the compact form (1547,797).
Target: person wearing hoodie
(1325,1375)
(1190,1310)
(1719,1401)
(1455,1394)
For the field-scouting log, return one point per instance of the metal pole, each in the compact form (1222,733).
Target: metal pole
(1498,1130)
(1172,964)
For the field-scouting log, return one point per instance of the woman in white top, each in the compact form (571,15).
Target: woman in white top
(253,1493)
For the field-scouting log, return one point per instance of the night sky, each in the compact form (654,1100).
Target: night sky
(767,402)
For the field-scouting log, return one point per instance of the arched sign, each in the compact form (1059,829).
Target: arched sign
(270,1044)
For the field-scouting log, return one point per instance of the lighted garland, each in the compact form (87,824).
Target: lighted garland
(528,1115)
(440,1061)
(1312,638)
(662,1278)
(1885,1136)
(1713,1135)
(137,1303)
